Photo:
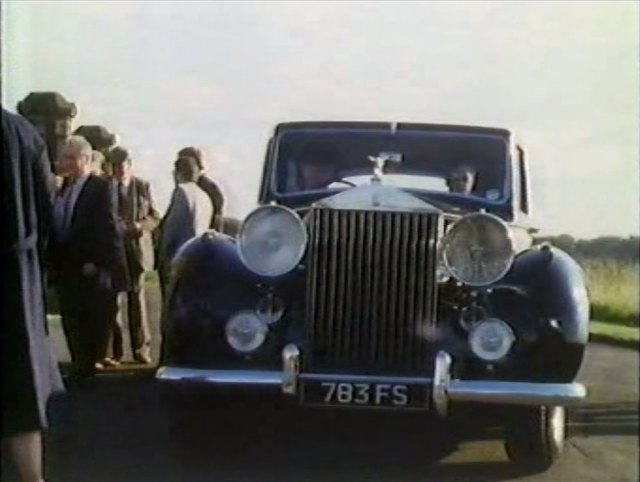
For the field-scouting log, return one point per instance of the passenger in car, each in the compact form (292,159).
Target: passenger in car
(462,180)
(318,175)
(318,167)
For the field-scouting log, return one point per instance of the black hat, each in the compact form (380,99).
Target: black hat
(46,104)
(119,155)
(192,152)
(98,136)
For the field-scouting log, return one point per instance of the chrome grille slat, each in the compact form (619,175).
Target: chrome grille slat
(383,293)
(393,288)
(371,286)
(341,310)
(367,287)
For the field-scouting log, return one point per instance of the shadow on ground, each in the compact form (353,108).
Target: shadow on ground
(123,427)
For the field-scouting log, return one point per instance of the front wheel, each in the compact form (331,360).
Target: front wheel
(535,437)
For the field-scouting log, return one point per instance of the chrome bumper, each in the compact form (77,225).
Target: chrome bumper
(444,389)
(511,393)
(224,377)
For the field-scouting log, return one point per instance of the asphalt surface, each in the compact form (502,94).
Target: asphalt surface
(123,429)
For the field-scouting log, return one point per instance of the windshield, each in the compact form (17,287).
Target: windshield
(473,165)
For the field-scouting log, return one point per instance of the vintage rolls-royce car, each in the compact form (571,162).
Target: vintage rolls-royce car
(388,266)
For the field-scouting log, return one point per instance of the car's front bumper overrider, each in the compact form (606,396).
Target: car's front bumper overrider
(444,389)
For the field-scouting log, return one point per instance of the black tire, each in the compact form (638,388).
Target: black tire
(534,437)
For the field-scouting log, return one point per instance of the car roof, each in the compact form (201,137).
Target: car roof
(391,126)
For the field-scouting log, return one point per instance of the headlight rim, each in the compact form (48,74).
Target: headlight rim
(298,220)
(446,240)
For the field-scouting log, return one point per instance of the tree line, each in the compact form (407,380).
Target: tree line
(611,248)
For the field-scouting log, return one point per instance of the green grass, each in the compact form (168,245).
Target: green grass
(614,291)
(617,332)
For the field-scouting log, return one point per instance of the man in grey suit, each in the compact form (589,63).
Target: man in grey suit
(137,218)
(189,215)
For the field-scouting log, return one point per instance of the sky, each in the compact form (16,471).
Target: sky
(564,76)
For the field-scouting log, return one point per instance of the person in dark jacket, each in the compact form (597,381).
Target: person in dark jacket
(207,185)
(30,375)
(87,257)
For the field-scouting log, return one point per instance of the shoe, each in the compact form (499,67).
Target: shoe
(110,362)
(99,366)
(144,359)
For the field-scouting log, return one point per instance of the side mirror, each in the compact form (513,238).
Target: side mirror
(524,180)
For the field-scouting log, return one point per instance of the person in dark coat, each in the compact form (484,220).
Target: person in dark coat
(87,257)
(207,185)
(30,375)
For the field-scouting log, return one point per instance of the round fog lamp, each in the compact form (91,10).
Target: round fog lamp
(491,340)
(246,331)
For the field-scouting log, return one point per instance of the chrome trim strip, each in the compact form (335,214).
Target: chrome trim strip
(232,377)
(517,393)
(340,377)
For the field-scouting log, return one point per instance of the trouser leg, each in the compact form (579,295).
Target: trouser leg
(138,320)
(103,315)
(117,327)
(98,309)
(70,313)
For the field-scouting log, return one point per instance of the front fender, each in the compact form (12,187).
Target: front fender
(544,297)
(210,284)
(203,293)
(556,287)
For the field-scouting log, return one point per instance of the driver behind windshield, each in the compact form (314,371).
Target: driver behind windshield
(462,180)
(318,168)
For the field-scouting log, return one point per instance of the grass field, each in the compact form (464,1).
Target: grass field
(614,291)
(618,332)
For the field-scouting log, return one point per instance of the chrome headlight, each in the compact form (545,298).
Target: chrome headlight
(478,249)
(272,240)
(246,331)
(491,339)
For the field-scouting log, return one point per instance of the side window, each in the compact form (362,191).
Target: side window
(524,181)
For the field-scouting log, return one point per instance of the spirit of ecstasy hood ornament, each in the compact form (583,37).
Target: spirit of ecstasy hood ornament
(380,162)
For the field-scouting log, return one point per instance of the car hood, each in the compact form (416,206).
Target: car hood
(376,197)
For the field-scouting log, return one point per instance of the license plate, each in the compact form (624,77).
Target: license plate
(391,395)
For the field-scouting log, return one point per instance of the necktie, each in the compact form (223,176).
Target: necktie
(122,202)
(67,208)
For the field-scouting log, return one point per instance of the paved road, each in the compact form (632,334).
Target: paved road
(120,431)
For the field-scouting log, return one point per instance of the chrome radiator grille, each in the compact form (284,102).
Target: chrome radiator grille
(370,290)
